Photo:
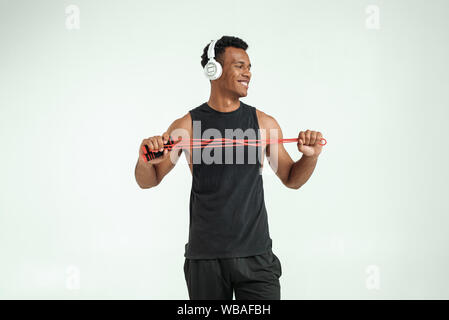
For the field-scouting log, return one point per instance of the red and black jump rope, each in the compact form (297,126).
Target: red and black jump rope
(211,143)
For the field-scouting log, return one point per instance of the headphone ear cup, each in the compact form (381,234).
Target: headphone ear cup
(213,69)
(219,70)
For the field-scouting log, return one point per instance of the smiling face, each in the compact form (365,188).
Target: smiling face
(236,72)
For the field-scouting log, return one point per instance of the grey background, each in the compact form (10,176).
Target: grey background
(75,105)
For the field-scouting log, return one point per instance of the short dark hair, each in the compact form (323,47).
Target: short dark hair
(220,46)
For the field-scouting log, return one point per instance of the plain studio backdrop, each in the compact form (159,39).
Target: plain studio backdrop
(83,82)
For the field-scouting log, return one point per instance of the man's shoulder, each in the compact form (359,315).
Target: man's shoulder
(201,107)
(266,121)
(184,122)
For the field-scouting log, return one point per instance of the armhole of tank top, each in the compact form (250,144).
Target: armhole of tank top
(259,136)
(256,117)
(192,116)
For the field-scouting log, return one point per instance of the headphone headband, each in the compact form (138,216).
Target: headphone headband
(211,50)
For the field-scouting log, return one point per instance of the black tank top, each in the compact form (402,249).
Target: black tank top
(228,217)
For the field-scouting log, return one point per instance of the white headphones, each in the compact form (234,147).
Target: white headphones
(213,68)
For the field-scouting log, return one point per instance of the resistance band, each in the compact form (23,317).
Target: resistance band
(213,143)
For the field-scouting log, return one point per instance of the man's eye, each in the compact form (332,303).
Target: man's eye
(241,66)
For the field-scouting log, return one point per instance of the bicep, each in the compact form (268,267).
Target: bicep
(176,130)
(278,158)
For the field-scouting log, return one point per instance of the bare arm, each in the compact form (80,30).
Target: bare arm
(150,174)
(145,174)
(301,171)
(292,174)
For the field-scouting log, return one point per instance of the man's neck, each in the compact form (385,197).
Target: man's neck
(223,104)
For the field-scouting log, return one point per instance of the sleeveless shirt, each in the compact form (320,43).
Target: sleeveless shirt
(228,217)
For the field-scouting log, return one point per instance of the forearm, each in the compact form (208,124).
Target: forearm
(301,171)
(146,175)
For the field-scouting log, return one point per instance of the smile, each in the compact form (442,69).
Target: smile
(244,83)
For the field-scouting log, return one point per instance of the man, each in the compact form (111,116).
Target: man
(229,249)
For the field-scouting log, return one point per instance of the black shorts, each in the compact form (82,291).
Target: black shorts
(250,278)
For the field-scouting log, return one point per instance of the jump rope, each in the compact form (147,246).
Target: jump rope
(214,143)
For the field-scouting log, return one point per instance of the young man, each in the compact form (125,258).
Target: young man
(229,249)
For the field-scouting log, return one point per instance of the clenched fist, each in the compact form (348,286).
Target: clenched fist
(155,144)
(309,143)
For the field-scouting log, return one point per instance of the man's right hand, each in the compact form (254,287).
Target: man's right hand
(155,144)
